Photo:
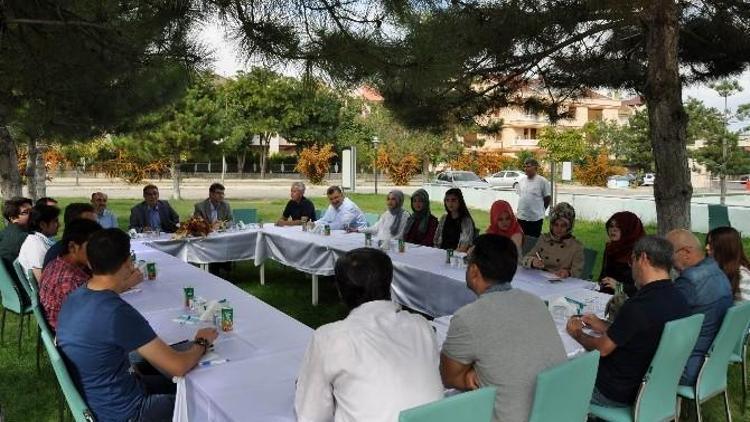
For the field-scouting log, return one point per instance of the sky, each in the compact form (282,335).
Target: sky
(228,61)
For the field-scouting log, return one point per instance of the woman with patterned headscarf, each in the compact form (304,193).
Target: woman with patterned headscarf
(421,225)
(623,229)
(392,222)
(558,251)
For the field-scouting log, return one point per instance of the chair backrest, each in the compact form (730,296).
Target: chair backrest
(739,348)
(11,297)
(318,214)
(474,406)
(589,260)
(657,397)
(29,283)
(246,215)
(77,405)
(371,218)
(528,243)
(563,392)
(712,377)
(718,216)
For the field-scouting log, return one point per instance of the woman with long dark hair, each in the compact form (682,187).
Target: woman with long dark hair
(724,244)
(456,229)
(623,230)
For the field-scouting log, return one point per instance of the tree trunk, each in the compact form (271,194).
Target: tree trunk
(174,172)
(668,120)
(241,157)
(36,172)
(263,141)
(426,169)
(10,179)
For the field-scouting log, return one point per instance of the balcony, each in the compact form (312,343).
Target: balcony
(524,142)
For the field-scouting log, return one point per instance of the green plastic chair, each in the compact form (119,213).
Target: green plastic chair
(712,377)
(29,283)
(589,260)
(246,215)
(472,406)
(739,357)
(12,301)
(76,404)
(563,392)
(528,243)
(371,218)
(718,216)
(318,214)
(657,395)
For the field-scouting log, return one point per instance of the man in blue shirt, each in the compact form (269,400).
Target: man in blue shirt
(96,330)
(342,214)
(706,290)
(104,216)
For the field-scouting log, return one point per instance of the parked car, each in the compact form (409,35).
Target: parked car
(648,179)
(506,178)
(461,179)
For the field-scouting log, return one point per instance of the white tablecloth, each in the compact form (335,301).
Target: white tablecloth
(421,280)
(265,349)
(216,247)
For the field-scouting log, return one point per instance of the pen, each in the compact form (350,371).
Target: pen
(213,362)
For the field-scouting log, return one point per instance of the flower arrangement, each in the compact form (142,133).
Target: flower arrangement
(194,226)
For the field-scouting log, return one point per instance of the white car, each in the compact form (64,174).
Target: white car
(648,179)
(460,179)
(506,178)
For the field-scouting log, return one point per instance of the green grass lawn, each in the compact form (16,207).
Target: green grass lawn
(26,395)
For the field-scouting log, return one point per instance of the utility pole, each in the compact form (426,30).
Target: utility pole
(725,89)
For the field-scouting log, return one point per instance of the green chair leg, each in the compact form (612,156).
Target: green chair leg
(20,334)
(2,328)
(726,406)
(38,351)
(698,415)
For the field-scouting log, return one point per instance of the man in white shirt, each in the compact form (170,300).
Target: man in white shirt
(534,196)
(43,226)
(375,363)
(342,214)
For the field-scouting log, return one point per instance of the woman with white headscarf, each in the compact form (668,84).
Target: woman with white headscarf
(392,222)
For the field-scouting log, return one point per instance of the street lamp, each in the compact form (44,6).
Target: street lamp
(223,159)
(375,142)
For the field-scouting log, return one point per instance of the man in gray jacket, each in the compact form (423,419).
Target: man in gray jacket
(214,208)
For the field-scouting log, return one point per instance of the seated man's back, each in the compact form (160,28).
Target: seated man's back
(510,337)
(96,330)
(378,361)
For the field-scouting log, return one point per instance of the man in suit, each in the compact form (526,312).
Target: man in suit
(214,208)
(153,213)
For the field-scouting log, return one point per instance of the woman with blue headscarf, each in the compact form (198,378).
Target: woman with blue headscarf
(392,222)
(421,225)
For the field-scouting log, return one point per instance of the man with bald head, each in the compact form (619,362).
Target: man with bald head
(706,290)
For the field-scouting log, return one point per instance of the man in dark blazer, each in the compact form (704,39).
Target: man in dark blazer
(153,213)
(214,208)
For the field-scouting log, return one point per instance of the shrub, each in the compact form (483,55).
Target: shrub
(400,171)
(595,170)
(314,162)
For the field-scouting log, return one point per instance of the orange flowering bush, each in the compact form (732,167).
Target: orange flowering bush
(314,162)
(400,171)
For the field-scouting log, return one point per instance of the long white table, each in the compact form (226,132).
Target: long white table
(421,281)
(225,246)
(265,349)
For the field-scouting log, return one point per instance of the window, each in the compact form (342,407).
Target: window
(595,114)
(529,133)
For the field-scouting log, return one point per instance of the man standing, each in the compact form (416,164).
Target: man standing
(297,207)
(505,338)
(104,216)
(707,291)
(342,213)
(375,363)
(97,329)
(153,213)
(629,344)
(534,196)
(215,208)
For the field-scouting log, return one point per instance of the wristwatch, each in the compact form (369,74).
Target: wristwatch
(202,342)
